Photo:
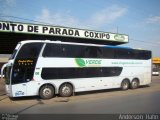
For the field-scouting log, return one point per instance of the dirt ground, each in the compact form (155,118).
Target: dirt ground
(2,87)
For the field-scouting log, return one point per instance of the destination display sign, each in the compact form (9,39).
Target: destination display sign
(8,26)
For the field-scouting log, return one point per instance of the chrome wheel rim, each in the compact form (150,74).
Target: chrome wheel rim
(125,85)
(134,84)
(66,90)
(47,92)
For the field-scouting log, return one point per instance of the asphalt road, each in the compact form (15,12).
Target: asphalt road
(142,100)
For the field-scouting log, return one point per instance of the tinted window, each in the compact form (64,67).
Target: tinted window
(24,65)
(67,73)
(108,52)
(124,54)
(112,71)
(74,51)
(141,54)
(132,54)
(29,50)
(80,51)
(52,50)
(93,52)
(22,73)
(64,50)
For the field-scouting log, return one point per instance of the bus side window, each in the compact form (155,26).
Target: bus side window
(108,53)
(78,51)
(93,52)
(73,51)
(144,55)
(53,50)
(125,54)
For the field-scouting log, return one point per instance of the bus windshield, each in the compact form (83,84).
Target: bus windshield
(15,51)
(25,62)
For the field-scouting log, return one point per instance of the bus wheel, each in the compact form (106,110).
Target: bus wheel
(125,84)
(66,90)
(134,84)
(46,92)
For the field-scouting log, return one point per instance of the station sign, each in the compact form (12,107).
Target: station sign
(28,28)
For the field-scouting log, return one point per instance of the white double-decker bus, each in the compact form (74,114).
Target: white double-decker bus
(47,68)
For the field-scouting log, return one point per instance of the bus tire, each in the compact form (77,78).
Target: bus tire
(66,90)
(125,84)
(46,92)
(134,84)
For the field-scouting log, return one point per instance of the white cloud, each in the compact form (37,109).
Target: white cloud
(63,19)
(108,15)
(5,6)
(153,19)
(95,20)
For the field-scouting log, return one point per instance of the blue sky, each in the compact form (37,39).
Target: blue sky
(140,19)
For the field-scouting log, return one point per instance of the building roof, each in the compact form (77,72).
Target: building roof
(13,32)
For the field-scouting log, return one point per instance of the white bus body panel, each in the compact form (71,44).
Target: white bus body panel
(140,69)
(31,88)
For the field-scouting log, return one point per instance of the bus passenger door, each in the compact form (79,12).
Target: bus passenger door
(19,81)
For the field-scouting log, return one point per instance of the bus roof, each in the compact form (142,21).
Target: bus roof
(85,44)
(58,41)
(120,47)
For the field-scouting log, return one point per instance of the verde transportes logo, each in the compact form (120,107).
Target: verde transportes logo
(88,62)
